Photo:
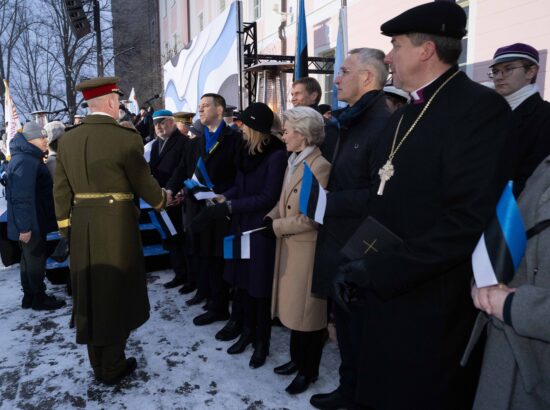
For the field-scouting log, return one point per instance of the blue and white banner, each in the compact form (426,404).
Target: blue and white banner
(501,247)
(340,54)
(313,198)
(238,246)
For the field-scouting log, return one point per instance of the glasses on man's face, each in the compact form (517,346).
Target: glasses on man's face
(506,71)
(342,72)
(159,122)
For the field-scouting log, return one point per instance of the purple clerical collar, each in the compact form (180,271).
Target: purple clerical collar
(417,96)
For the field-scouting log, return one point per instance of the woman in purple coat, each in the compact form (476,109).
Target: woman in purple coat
(261,165)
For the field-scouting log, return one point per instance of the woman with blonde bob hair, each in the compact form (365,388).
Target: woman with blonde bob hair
(292,301)
(260,169)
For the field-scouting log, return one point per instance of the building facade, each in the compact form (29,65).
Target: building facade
(491,24)
(137,51)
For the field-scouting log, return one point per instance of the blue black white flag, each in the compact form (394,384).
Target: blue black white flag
(501,247)
(238,246)
(200,185)
(313,198)
(163,225)
(300,59)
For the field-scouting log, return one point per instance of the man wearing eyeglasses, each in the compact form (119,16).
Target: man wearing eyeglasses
(514,73)
(359,84)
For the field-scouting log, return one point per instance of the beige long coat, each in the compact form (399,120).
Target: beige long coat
(296,235)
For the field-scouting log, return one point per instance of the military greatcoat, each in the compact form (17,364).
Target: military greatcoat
(100,174)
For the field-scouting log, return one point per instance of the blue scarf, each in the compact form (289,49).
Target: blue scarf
(350,114)
(211,139)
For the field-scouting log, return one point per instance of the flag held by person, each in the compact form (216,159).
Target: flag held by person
(501,247)
(238,246)
(134,106)
(200,184)
(163,225)
(300,59)
(313,198)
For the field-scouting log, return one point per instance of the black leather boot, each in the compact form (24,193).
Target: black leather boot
(261,351)
(230,331)
(195,300)
(286,369)
(300,384)
(331,401)
(245,339)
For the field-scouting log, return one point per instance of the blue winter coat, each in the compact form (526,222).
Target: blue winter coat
(29,191)
(256,191)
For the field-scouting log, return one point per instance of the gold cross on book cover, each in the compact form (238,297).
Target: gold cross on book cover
(371,237)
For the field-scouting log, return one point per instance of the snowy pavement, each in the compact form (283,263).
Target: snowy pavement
(180,366)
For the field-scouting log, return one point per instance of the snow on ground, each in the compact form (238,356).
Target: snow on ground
(180,366)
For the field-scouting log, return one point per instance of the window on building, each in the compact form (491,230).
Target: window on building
(256,9)
(221,5)
(463,59)
(326,80)
(201,21)
(162,4)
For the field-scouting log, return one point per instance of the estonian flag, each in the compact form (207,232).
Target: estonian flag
(501,247)
(313,198)
(164,225)
(200,184)
(300,59)
(238,246)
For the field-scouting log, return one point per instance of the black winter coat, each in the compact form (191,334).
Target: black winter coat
(29,191)
(221,168)
(449,175)
(532,130)
(349,185)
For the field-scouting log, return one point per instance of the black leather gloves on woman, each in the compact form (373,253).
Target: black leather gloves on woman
(203,219)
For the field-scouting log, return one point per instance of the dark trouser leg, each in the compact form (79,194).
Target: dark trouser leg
(237,306)
(263,319)
(349,337)
(108,362)
(33,263)
(94,354)
(203,285)
(192,266)
(306,349)
(178,262)
(219,289)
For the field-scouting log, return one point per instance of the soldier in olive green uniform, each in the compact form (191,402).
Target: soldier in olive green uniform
(100,174)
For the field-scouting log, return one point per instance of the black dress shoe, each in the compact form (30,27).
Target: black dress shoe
(195,300)
(286,369)
(230,331)
(131,365)
(245,339)
(209,305)
(187,288)
(331,401)
(174,283)
(46,302)
(300,384)
(26,302)
(209,317)
(261,351)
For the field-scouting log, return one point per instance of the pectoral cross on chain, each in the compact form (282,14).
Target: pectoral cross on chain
(386,172)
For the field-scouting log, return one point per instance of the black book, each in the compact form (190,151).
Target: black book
(370,237)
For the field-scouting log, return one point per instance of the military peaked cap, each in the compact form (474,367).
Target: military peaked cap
(185,117)
(442,18)
(96,87)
